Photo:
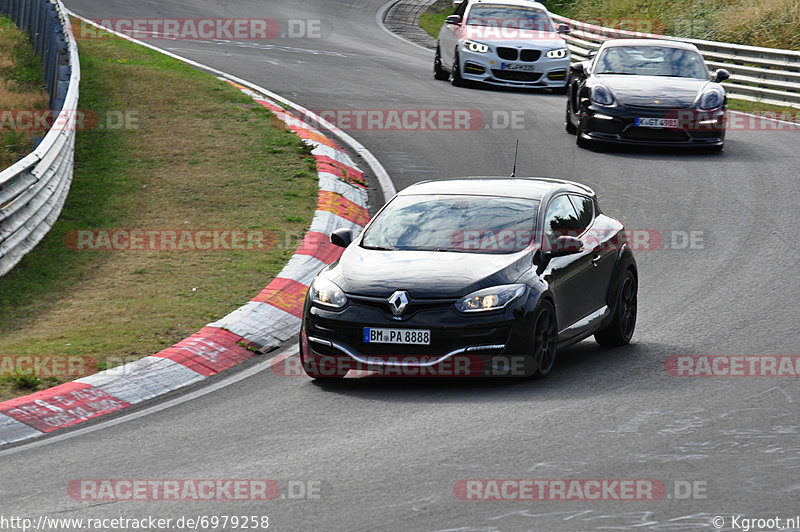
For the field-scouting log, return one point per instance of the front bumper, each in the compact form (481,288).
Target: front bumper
(617,125)
(490,344)
(491,69)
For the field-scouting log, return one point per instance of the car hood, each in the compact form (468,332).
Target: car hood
(654,91)
(424,274)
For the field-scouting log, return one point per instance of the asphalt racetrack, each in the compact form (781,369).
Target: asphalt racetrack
(394,454)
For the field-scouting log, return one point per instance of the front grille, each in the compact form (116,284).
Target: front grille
(513,75)
(414,305)
(509,54)
(665,135)
(530,55)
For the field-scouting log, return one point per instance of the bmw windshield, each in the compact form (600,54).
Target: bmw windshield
(509,17)
(456,223)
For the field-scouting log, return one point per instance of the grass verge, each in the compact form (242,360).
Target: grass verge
(189,153)
(770,23)
(21,88)
(433,18)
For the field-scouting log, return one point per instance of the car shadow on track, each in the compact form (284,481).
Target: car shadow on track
(583,370)
(677,153)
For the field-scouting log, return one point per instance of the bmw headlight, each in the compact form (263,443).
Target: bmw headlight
(602,95)
(561,53)
(494,298)
(327,293)
(710,100)
(477,47)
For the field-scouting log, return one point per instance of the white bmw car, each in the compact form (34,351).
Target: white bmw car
(511,43)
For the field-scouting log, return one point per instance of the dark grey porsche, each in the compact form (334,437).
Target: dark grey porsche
(647,92)
(468,277)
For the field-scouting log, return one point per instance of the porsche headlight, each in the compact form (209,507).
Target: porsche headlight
(327,293)
(494,298)
(561,53)
(710,100)
(602,96)
(477,47)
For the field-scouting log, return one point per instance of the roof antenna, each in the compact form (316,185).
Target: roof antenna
(516,150)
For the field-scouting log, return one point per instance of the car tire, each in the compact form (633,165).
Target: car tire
(568,125)
(455,75)
(623,322)
(316,367)
(544,341)
(438,71)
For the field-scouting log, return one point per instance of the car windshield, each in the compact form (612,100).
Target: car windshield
(457,223)
(651,61)
(509,17)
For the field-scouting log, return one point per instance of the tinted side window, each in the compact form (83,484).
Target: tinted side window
(585,208)
(461,8)
(561,219)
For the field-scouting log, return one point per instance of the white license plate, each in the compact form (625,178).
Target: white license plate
(374,335)
(658,123)
(518,68)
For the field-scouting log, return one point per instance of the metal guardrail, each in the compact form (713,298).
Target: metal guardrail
(766,75)
(33,191)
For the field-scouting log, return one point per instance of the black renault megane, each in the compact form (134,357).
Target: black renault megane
(468,277)
(647,92)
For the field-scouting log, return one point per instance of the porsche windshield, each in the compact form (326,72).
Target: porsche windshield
(458,223)
(651,61)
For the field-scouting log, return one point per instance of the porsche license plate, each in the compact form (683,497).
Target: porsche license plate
(658,123)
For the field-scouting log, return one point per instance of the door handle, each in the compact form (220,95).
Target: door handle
(596,260)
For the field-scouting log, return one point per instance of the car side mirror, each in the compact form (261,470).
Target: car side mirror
(578,68)
(453,19)
(564,245)
(563,29)
(342,237)
(721,75)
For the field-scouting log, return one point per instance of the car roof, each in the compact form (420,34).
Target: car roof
(526,3)
(535,188)
(649,42)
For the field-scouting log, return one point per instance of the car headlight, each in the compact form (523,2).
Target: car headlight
(494,298)
(710,100)
(602,96)
(327,293)
(477,47)
(561,53)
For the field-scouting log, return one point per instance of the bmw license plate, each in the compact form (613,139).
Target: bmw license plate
(658,123)
(373,335)
(517,68)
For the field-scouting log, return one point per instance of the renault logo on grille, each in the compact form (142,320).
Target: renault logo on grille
(398,302)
